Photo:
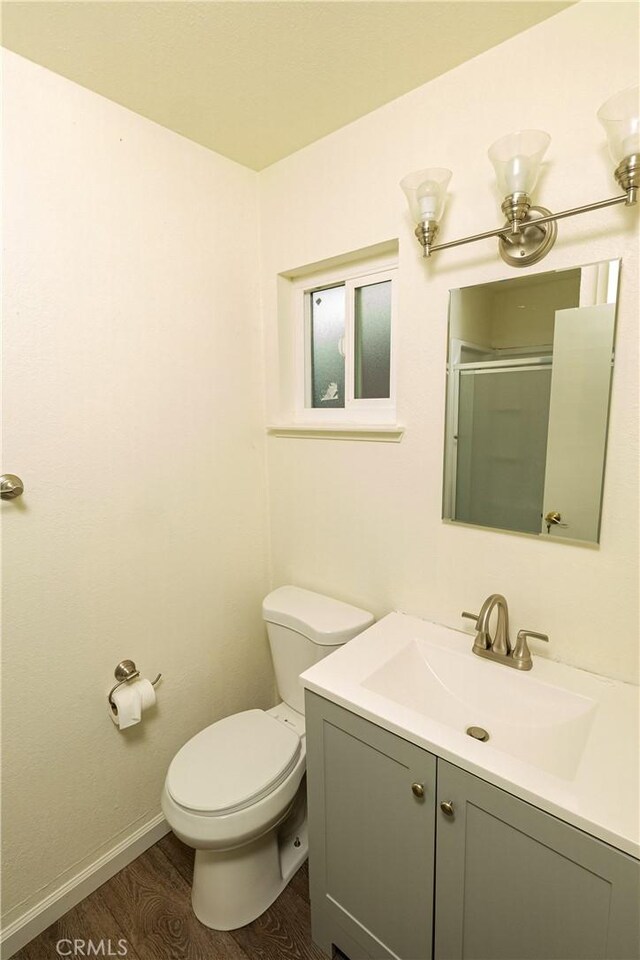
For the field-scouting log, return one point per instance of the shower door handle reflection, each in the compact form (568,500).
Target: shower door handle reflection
(554,519)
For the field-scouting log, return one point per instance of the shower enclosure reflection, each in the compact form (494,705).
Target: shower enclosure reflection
(528,382)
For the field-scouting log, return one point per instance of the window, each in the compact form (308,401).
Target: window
(345,348)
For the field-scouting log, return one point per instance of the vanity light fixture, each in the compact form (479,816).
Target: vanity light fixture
(530,231)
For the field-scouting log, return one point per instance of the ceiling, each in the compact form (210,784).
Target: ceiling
(256,80)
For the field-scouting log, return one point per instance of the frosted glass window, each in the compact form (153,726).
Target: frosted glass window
(327,347)
(372,341)
(343,347)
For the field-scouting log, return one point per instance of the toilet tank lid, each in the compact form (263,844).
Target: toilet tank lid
(319,618)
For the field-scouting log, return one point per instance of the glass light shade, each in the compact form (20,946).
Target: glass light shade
(619,117)
(516,159)
(425,191)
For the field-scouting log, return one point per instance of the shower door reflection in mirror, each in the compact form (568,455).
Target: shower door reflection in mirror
(529,369)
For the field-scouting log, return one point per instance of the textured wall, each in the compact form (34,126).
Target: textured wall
(362,520)
(133,406)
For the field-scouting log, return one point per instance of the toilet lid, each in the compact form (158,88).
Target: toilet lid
(233,763)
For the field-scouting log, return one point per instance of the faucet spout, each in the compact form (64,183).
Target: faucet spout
(499,648)
(500,643)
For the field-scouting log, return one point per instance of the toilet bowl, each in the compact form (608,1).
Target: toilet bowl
(236,791)
(244,781)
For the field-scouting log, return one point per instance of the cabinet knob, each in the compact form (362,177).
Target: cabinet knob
(418,790)
(447,808)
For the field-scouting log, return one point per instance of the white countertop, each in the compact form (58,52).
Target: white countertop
(600,796)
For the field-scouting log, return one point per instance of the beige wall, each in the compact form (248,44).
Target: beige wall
(133,405)
(362,520)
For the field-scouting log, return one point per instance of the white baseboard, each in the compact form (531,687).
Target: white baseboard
(56,904)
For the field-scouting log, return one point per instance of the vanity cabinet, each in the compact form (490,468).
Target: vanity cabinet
(489,877)
(371,839)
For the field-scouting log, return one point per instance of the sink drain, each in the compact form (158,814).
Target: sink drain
(478,733)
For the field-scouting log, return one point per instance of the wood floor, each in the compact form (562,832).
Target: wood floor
(148,905)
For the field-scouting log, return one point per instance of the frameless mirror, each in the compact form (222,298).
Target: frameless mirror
(529,371)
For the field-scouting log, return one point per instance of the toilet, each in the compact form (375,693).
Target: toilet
(236,790)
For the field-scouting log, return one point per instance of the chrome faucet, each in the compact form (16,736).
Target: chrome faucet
(499,647)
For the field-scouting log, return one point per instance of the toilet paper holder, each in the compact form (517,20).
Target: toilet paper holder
(124,672)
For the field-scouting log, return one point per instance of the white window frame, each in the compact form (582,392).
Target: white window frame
(355,411)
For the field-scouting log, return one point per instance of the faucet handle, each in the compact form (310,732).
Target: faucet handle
(521,650)
(471,616)
(532,633)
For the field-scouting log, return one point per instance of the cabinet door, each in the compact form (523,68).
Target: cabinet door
(371,840)
(514,883)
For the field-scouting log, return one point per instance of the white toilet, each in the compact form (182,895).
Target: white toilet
(236,791)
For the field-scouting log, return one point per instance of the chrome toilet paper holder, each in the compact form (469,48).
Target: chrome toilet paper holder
(124,672)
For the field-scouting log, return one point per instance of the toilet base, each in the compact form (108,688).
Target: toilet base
(231,888)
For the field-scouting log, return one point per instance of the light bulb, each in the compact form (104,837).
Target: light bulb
(428,200)
(516,159)
(518,174)
(425,191)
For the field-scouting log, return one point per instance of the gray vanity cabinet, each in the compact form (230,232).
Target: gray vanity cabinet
(515,882)
(371,839)
(394,876)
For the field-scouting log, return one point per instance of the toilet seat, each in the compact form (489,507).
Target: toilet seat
(233,763)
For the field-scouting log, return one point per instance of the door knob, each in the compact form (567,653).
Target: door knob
(10,486)
(447,808)
(418,790)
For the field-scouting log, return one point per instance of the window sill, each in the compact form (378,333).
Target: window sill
(379,433)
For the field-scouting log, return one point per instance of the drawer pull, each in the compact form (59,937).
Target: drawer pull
(447,808)
(417,790)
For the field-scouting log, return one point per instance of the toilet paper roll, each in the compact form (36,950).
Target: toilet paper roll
(130,700)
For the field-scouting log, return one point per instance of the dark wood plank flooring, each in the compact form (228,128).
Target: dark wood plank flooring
(148,905)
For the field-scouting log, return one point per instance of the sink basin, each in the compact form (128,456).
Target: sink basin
(560,738)
(541,724)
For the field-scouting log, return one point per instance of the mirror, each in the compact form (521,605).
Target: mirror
(529,371)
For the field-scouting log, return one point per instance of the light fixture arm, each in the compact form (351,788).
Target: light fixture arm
(506,233)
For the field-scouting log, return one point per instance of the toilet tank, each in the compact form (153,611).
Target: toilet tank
(304,627)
